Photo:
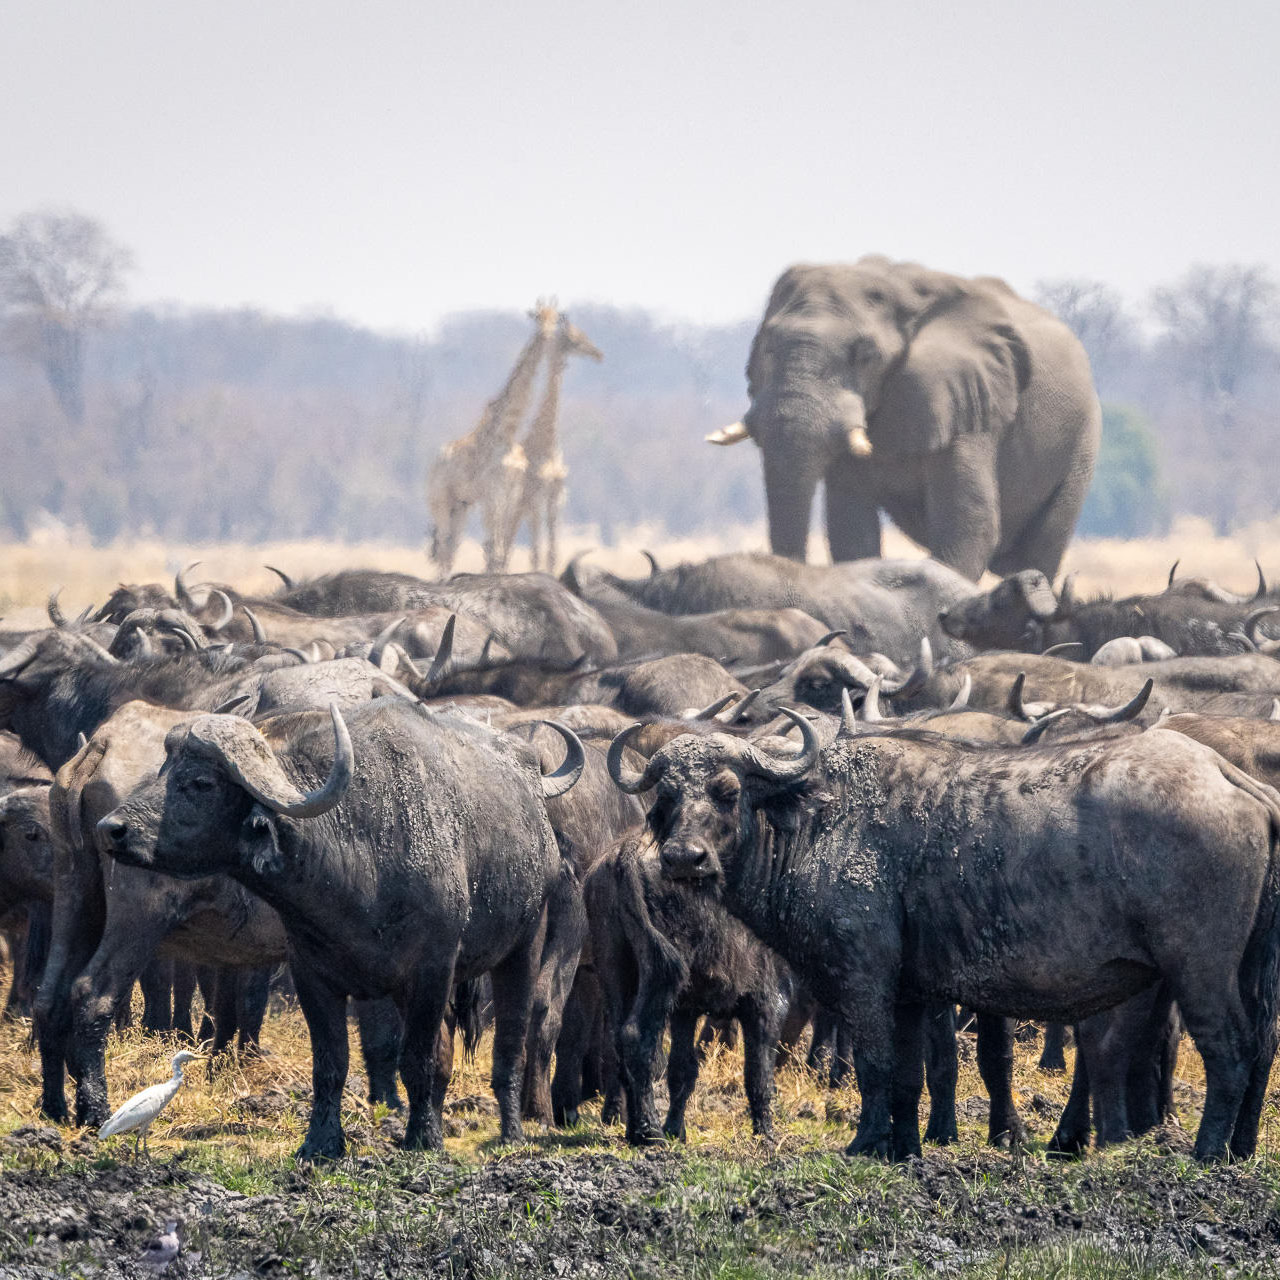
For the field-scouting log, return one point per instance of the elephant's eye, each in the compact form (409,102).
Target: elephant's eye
(875,297)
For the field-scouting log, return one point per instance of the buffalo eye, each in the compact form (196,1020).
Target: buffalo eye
(197,783)
(33,833)
(725,788)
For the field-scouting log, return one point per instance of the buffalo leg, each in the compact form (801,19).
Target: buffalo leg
(995,1065)
(941,1072)
(682,1070)
(1053,1054)
(575,1047)
(96,994)
(224,1009)
(872,1023)
(1106,1046)
(908,1080)
(822,1044)
(156,980)
(326,1013)
(513,982)
(759,1021)
(638,1044)
(423,1057)
(379,1025)
(566,931)
(1219,1025)
(184,990)
(1071,1136)
(252,989)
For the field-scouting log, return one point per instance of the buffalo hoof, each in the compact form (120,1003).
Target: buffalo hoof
(675,1134)
(512,1135)
(1052,1064)
(942,1134)
(905,1149)
(645,1137)
(872,1148)
(319,1151)
(56,1115)
(422,1142)
(1064,1146)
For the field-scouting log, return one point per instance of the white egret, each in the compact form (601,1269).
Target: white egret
(136,1115)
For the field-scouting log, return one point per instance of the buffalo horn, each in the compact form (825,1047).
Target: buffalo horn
(918,678)
(575,759)
(444,651)
(246,756)
(654,569)
(233,705)
(848,719)
(1251,628)
(1173,573)
(228,612)
(961,700)
(1039,598)
(1275,709)
(739,712)
(182,591)
(56,616)
(829,637)
(871,712)
(1016,709)
(626,779)
(259,632)
(711,709)
(1262,582)
(280,573)
(1132,708)
(1055,650)
(383,637)
(778,769)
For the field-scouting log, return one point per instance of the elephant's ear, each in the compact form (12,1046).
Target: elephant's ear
(962,374)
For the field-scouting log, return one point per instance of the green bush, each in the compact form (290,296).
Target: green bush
(1127,498)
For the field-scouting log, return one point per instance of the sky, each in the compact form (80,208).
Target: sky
(390,162)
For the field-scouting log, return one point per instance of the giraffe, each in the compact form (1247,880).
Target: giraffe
(536,484)
(471,471)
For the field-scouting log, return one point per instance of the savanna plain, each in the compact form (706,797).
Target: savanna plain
(579,1202)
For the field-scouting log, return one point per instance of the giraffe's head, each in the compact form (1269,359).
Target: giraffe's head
(575,342)
(546,315)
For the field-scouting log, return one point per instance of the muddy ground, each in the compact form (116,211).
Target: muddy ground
(1143,1210)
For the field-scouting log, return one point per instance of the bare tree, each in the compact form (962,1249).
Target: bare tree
(59,275)
(1220,343)
(1095,313)
(1220,322)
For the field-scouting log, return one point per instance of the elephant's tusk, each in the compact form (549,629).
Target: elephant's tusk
(859,444)
(731,434)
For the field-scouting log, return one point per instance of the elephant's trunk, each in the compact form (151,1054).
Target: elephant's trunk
(789,489)
(794,420)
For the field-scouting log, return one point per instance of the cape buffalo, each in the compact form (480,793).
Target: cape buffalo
(1047,882)
(403,851)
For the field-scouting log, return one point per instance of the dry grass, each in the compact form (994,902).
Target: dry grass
(252,1111)
(29,570)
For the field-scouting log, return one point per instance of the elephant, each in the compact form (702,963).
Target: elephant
(964,412)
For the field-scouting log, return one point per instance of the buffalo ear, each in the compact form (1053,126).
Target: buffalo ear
(964,371)
(259,848)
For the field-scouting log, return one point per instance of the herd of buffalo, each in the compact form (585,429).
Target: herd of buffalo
(596,810)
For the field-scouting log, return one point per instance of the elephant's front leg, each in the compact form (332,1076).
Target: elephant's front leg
(853,512)
(962,504)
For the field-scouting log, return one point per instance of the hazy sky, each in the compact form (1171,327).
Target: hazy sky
(393,161)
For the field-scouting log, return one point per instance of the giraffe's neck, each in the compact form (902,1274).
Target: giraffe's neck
(497,428)
(540,444)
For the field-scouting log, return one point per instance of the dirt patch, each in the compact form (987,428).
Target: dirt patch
(593,1214)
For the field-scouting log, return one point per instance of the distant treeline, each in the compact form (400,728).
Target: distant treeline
(204,425)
